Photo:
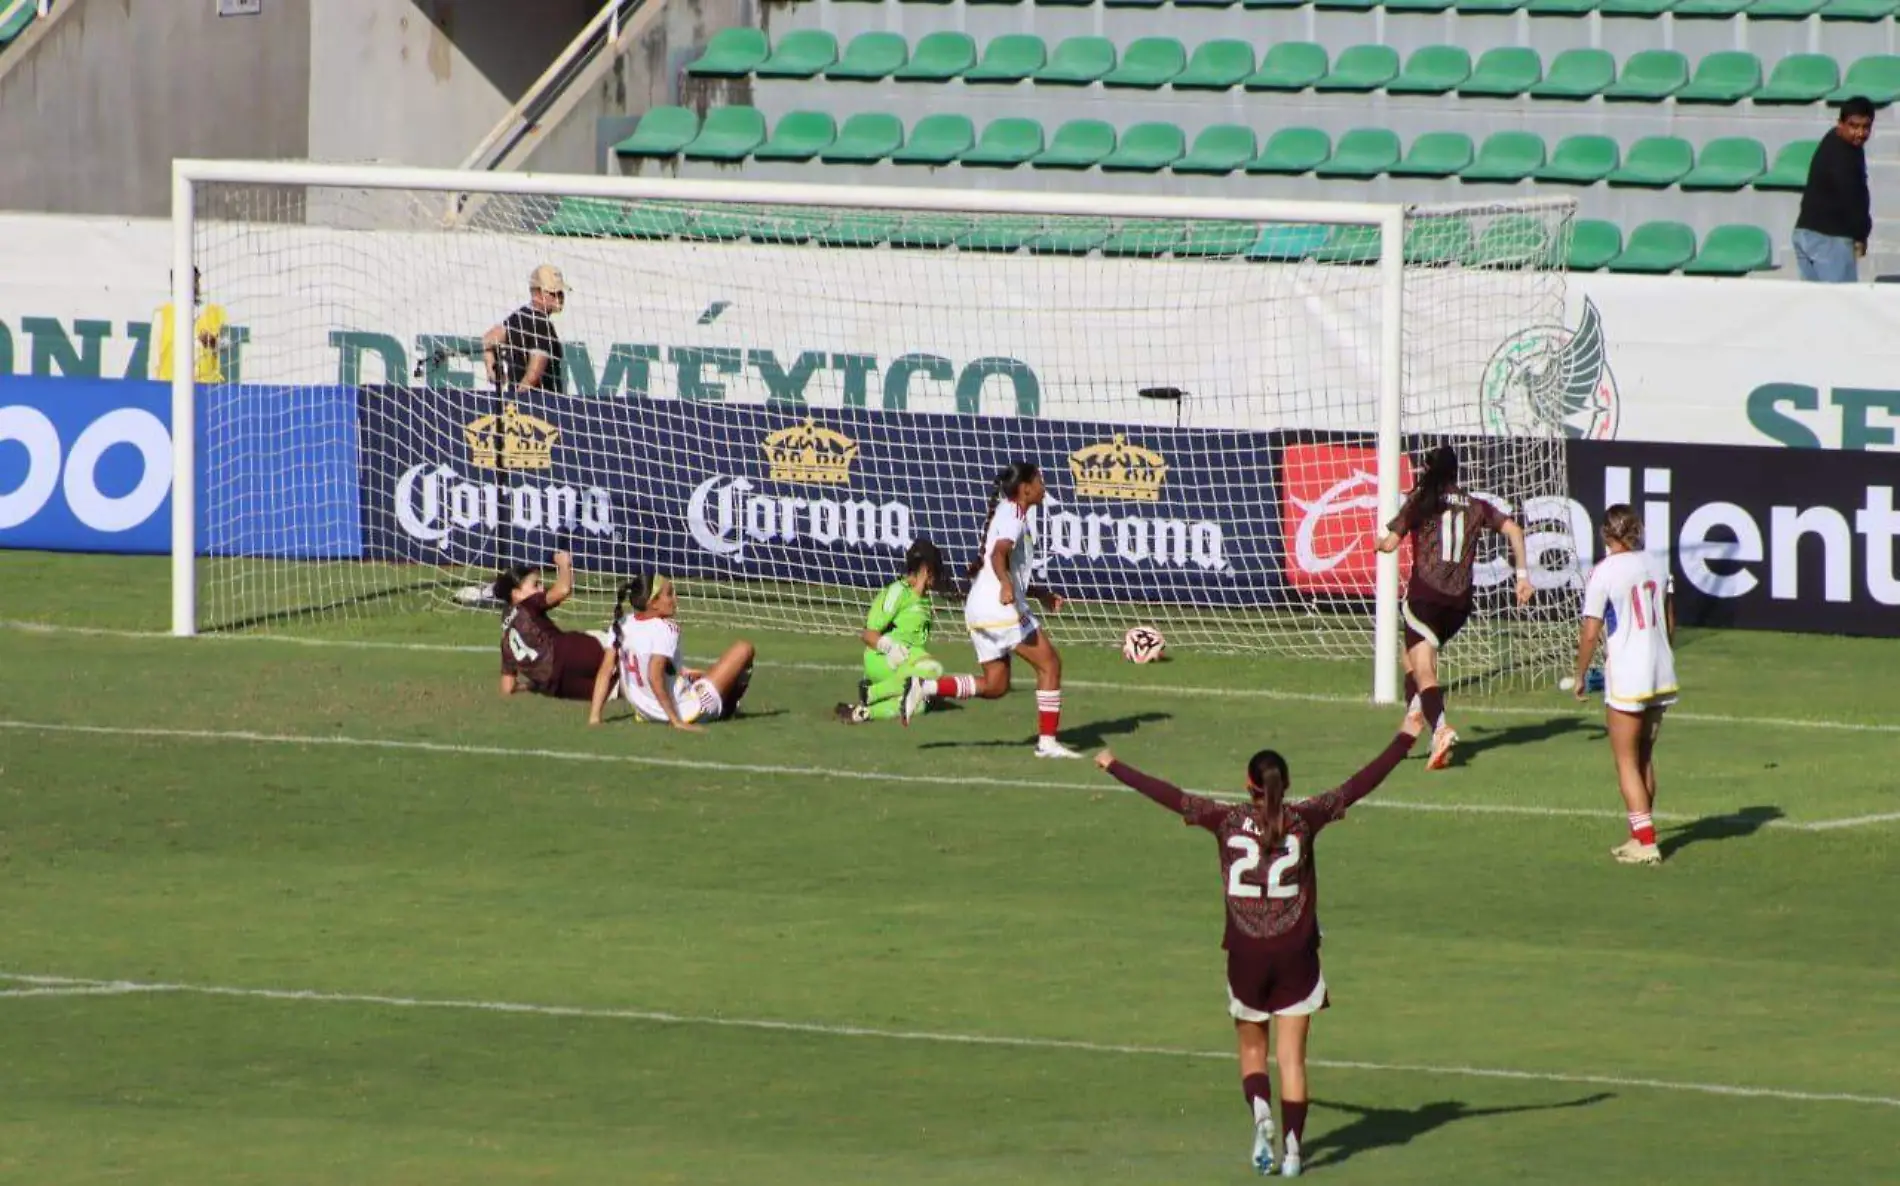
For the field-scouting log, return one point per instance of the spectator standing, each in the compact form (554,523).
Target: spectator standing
(523,353)
(1836,218)
(207,330)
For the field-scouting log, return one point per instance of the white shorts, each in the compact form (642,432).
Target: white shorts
(1314,1002)
(1640,706)
(997,642)
(695,699)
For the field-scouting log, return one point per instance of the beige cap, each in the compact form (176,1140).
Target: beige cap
(547,278)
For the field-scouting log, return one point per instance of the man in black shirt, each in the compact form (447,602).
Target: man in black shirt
(523,353)
(1837,216)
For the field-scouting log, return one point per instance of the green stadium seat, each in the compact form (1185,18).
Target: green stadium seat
(1733,249)
(1289,66)
(1641,9)
(655,220)
(1433,70)
(1288,242)
(1858,10)
(1581,160)
(1149,63)
(1350,245)
(1077,61)
(1273,3)
(1416,6)
(1783,10)
(1656,247)
(662,131)
(1655,162)
(1708,9)
(860,228)
(1789,173)
(1513,240)
(1435,154)
(1362,152)
(1346,5)
(1800,79)
(937,140)
(1503,73)
(1438,240)
(1145,239)
(871,57)
(718,224)
(1078,144)
(1577,74)
(931,231)
(938,57)
(1292,151)
(1729,163)
(802,53)
(588,218)
(1005,144)
(992,1)
(1220,149)
(1066,3)
(1876,77)
(865,139)
(1593,244)
(1726,77)
(15,17)
(788,225)
(1650,76)
(732,53)
(1010,58)
(1215,239)
(1147,148)
(1071,236)
(1489,7)
(799,136)
(1134,3)
(1558,8)
(1361,69)
(1506,157)
(1000,233)
(1205,3)
(1217,65)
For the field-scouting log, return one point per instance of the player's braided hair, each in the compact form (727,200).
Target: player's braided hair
(1439,479)
(1009,480)
(635,594)
(1267,780)
(1622,524)
(508,580)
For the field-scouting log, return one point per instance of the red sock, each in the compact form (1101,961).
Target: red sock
(1293,1119)
(1048,711)
(1642,828)
(1431,702)
(956,687)
(1259,1092)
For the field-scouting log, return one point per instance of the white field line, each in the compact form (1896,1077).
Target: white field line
(119,987)
(1144,689)
(1857,821)
(116,988)
(820,772)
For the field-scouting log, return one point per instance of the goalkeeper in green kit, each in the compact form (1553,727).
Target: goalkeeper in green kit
(900,677)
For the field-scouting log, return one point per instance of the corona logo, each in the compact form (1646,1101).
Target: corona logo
(808,453)
(511,440)
(1117,469)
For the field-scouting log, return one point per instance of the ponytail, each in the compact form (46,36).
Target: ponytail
(1267,782)
(1436,482)
(1008,481)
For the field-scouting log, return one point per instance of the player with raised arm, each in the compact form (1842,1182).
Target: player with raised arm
(900,676)
(1272,936)
(536,654)
(1444,522)
(1629,603)
(998,612)
(646,655)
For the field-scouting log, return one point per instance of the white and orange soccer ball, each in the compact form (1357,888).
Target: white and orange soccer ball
(1142,644)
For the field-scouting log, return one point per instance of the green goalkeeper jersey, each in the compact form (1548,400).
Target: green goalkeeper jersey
(902,613)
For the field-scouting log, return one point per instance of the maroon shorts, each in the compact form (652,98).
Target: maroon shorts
(576,662)
(1260,984)
(1436,622)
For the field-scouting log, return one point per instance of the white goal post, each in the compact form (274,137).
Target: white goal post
(1318,328)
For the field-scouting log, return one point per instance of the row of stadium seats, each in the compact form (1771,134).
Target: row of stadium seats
(1653,247)
(1506,72)
(731,134)
(1832,10)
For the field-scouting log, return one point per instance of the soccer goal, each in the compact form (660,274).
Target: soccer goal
(768,391)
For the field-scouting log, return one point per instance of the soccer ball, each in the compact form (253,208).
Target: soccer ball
(1142,644)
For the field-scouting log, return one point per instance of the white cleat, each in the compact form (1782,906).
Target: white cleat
(1049,747)
(1290,1158)
(916,696)
(1442,741)
(1634,852)
(1263,1162)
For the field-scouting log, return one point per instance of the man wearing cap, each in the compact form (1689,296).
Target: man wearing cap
(523,353)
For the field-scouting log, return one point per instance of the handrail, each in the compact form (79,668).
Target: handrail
(602,31)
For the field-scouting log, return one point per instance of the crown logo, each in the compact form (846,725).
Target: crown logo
(808,453)
(1117,469)
(511,439)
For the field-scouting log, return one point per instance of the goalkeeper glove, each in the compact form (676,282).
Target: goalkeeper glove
(893,650)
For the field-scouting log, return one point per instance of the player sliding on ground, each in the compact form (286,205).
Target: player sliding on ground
(1629,603)
(647,655)
(1444,523)
(998,611)
(1272,938)
(537,655)
(900,676)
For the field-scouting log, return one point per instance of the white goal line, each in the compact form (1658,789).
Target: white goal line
(68,985)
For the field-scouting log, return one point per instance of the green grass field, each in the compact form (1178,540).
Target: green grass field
(282,913)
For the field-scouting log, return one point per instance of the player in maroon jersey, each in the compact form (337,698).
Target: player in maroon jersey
(1272,938)
(537,655)
(1444,522)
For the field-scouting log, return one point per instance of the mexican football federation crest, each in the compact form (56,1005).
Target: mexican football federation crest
(1552,377)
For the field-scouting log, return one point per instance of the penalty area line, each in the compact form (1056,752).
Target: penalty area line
(818,1029)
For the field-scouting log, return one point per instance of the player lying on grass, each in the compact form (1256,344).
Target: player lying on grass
(900,676)
(1444,523)
(1629,604)
(646,655)
(1272,937)
(998,611)
(537,655)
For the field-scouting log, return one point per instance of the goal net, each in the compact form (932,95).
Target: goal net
(768,398)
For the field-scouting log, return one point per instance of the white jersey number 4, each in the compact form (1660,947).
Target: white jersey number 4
(1249,850)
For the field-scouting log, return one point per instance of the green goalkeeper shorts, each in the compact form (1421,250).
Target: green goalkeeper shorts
(916,665)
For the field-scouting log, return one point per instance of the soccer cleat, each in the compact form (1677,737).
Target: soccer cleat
(916,695)
(1442,741)
(1049,747)
(1635,852)
(852,714)
(1290,1158)
(864,691)
(1263,1163)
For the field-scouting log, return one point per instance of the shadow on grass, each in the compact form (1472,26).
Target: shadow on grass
(1476,739)
(1382,1128)
(1093,735)
(1733,826)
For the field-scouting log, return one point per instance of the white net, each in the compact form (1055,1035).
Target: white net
(769,403)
